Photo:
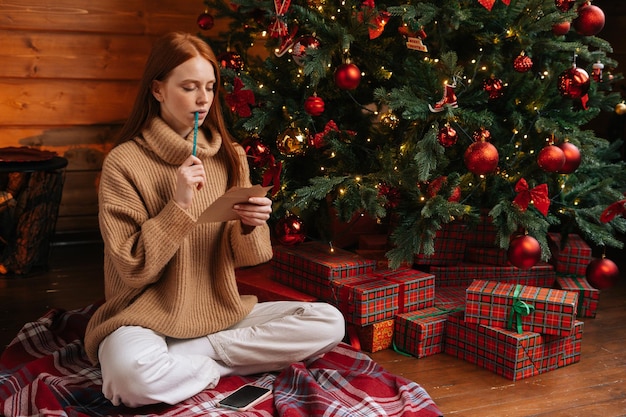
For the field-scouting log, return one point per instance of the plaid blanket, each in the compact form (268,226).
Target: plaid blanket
(45,372)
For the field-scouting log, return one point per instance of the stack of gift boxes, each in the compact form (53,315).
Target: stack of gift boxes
(458,301)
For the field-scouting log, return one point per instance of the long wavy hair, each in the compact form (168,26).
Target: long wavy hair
(168,52)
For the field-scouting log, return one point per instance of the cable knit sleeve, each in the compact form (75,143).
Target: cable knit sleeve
(140,243)
(254,247)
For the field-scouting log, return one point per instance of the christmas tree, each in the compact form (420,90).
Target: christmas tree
(420,113)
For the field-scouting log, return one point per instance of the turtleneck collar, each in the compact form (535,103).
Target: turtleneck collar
(161,139)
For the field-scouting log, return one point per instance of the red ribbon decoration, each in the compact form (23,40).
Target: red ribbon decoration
(616,209)
(318,139)
(488,4)
(272,175)
(240,100)
(278,27)
(538,196)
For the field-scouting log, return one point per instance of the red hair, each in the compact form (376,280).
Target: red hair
(167,53)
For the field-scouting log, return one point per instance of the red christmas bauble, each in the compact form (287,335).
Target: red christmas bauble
(494,87)
(590,20)
(524,252)
(572,158)
(290,230)
(573,83)
(302,44)
(205,21)
(602,273)
(561,28)
(447,136)
(314,105)
(522,63)
(347,76)
(259,154)
(564,5)
(230,60)
(551,158)
(481,158)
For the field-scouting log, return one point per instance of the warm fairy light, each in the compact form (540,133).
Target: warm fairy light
(484,68)
(473,61)
(482,176)
(576,202)
(357,179)
(322,169)
(515,131)
(470,184)
(332,154)
(422,198)
(342,191)
(264,33)
(525,136)
(532,151)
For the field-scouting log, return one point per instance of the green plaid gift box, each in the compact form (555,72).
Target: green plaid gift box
(588,296)
(421,333)
(450,243)
(417,288)
(488,256)
(571,255)
(311,267)
(510,354)
(540,275)
(496,304)
(366,299)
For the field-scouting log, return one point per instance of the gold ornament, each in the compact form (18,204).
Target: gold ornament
(389,119)
(293,141)
(620,108)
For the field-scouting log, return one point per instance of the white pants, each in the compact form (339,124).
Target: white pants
(140,366)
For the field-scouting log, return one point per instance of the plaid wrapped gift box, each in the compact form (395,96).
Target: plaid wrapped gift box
(417,288)
(492,303)
(451,298)
(421,333)
(588,296)
(450,243)
(540,275)
(483,234)
(311,267)
(512,355)
(487,256)
(571,258)
(366,299)
(377,336)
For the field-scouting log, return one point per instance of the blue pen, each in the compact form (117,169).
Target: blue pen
(195,133)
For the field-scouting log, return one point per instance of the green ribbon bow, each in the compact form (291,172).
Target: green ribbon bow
(519,310)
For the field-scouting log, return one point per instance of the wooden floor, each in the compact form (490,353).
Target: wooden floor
(596,386)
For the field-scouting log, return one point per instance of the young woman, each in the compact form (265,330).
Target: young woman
(173,321)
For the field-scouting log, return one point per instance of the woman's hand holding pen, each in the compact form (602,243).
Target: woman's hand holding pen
(255,212)
(190,177)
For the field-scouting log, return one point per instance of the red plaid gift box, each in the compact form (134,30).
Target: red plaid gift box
(450,298)
(540,275)
(417,288)
(510,354)
(588,296)
(421,333)
(366,299)
(449,244)
(377,336)
(311,267)
(487,256)
(557,352)
(493,303)
(572,258)
(483,234)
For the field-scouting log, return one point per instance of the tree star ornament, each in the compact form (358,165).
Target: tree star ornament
(538,196)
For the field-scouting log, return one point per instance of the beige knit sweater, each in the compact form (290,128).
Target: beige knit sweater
(161,269)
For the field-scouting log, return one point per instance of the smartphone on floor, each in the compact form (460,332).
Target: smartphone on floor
(245,397)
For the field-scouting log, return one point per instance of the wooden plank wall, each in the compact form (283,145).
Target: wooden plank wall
(68,77)
(69,70)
